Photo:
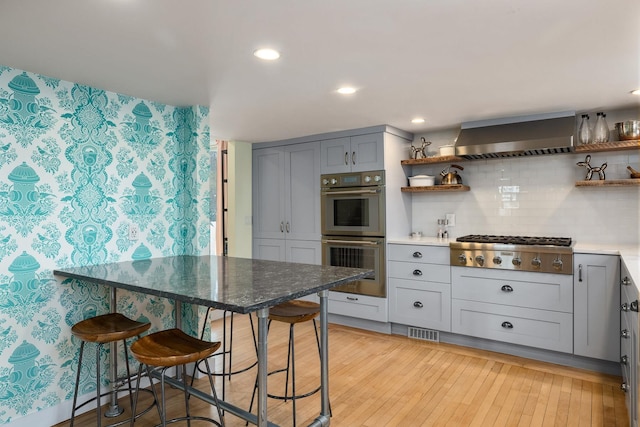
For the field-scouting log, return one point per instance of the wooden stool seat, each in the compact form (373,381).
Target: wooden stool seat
(295,311)
(108,328)
(163,350)
(101,330)
(171,347)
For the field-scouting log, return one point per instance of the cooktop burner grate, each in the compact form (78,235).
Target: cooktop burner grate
(516,240)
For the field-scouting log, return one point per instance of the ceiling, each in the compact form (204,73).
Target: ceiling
(448,61)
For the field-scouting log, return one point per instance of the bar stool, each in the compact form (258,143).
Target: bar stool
(166,349)
(292,312)
(105,329)
(225,350)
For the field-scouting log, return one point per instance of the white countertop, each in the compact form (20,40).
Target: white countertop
(424,240)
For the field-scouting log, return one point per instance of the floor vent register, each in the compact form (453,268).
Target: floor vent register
(423,334)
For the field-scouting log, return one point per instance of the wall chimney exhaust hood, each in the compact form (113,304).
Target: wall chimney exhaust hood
(551,133)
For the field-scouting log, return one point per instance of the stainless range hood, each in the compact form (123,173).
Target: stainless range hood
(517,136)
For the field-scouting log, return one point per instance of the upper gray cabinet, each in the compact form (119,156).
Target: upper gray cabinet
(352,154)
(286,192)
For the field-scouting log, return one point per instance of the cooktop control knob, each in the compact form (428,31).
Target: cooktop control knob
(462,259)
(367,178)
(517,261)
(536,262)
(334,181)
(377,178)
(497,260)
(557,264)
(480,259)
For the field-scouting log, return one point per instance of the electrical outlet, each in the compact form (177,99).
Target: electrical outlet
(134,232)
(451,219)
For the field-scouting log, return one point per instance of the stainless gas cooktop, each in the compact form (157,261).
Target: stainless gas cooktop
(519,253)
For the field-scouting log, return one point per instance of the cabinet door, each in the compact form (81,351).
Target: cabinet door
(269,249)
(302,192)
(596,306)
(268,193)
(367,152)
(304,251)
(335,156)
(420,303)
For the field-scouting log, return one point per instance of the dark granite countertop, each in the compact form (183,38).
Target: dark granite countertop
(238,284)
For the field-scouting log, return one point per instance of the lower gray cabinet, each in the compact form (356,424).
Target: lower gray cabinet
(629,358)
(596,306)
(420,286)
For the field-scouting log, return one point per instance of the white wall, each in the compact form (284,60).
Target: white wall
(239,226)
(535,196)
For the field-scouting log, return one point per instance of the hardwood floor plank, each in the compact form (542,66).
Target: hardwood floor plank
(389,380)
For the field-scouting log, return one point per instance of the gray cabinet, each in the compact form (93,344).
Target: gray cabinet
(352,154)
(303,251)
(420,286)
(286,203)
(596,306)
(629,358)
(286,192)
(536,310)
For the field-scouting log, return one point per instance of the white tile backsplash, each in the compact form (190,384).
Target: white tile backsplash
(536,196)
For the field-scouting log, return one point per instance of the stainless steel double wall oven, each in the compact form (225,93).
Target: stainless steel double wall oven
(353,227)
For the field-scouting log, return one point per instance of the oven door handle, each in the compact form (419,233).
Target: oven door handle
(351,242)
(347,192)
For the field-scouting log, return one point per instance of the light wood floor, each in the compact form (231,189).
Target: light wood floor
(381,380)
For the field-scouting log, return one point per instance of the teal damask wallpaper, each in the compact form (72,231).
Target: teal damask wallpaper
(78,166)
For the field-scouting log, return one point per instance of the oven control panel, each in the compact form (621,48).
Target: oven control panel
(539,261)
(352,179)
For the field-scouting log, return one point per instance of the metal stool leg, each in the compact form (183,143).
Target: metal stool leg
(75,391)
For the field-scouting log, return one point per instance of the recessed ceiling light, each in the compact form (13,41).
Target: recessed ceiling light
(635,92)
(267,54)
(417,120)
(346,90)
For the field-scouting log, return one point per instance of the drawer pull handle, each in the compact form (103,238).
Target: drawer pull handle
(418,304)
(417,254)
(417,272)
(626,281)
(624,307)
(352,299)
(634,306)
(506,288)
(625,387)
(507,325)
(624,360)
(624,333)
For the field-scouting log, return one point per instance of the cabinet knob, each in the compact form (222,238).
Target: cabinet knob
(417,254)
(418,304)
(506,288)
(624,307)
(634,306)
(626,281)
(507,325)
(625,387)
(625,333)
(417,272)
(624,359)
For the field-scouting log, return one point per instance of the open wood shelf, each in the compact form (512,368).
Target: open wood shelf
(436,188)
(608,146)
(609,183)
(432,160)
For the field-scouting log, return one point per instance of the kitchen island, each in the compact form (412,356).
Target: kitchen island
(235,284)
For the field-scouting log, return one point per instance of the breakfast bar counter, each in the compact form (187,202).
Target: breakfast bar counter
(240,285)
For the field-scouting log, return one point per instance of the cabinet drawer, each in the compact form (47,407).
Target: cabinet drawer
(422,304)
(550,330)
(532,290)
(419,253)
(422,272)
(360,306)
